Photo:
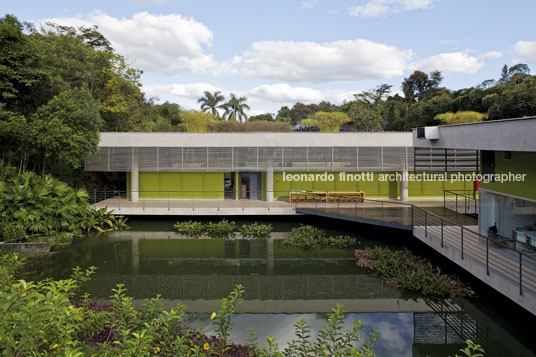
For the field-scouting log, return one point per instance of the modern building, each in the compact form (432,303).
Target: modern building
(507,191)
(264,165)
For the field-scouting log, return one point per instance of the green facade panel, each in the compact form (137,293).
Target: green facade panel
(181,185)
(519,164)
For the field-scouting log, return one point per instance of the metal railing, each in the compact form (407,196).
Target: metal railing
(125,202)
(461,201)
(495,257)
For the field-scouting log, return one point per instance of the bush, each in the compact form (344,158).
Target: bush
(102,220)
(234,126)
(461,117)
(256,231)
(39,205)
(221,230)
(403,269)
(309,237)
(191,229)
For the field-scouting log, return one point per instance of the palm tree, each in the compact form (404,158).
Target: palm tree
(210,101)
(234,108)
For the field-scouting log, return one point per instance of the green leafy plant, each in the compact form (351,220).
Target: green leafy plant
(192,229)
(220,230)
(255,230)
(102,220)
(471,350)
(310,237)
(403,269)
(223,319)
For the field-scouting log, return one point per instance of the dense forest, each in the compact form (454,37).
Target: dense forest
(60,86)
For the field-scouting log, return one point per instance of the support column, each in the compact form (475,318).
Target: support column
(269,182)
(404,186)
(134,180)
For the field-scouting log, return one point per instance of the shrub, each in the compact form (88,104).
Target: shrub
(234,126)
(256,230)
(102,220)
(221,230)
(310,237)
(403,269)
(461,117)
(39,205)
(191,229)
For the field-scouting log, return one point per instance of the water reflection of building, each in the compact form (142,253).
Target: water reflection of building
(444,330)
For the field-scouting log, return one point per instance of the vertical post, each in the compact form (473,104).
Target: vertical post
(382,211)
(269,181)
(426,224)
(404,186)
(442,235)
(412,217)
(520,273)
(134,178)
(487,256)
(462,243)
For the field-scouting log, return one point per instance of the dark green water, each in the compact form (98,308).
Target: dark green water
(282,285)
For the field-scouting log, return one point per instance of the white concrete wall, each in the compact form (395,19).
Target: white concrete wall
(256,139)
(498,135)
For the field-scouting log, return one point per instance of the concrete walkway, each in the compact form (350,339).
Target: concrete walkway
(200,207)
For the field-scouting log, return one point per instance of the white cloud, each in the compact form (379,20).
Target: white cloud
(263,98)
(525,52)
(492,54)
(343,60)
(166,44)
(309,4)
(449,63)
(376,8)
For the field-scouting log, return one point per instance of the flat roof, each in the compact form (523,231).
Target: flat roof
(257,139)
(518,134)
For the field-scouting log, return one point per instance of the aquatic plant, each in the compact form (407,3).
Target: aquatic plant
(255,230)
(310,237)
(192,229)
(220,230)
(403,269)
(102,220)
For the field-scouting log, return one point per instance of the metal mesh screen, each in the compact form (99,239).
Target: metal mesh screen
(429,159)
(228,159)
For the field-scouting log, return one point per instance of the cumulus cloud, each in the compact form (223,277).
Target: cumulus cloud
(343,60)
(263,98)
(449,63)
(377,8)
(525,52)
(166,44)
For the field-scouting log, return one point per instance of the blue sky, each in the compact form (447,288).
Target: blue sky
(278,52)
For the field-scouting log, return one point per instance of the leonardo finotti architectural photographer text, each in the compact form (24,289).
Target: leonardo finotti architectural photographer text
(405,176)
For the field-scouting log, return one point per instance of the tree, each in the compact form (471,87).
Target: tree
(234,108)
(66,129)
(170,112)
(196,122)
(210,102)
(262,117)
(508,72)
(328,122)
(418,87)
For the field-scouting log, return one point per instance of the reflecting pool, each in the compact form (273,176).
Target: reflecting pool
(282,285)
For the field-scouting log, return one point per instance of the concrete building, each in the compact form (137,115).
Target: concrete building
(507,191)
(252,165)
